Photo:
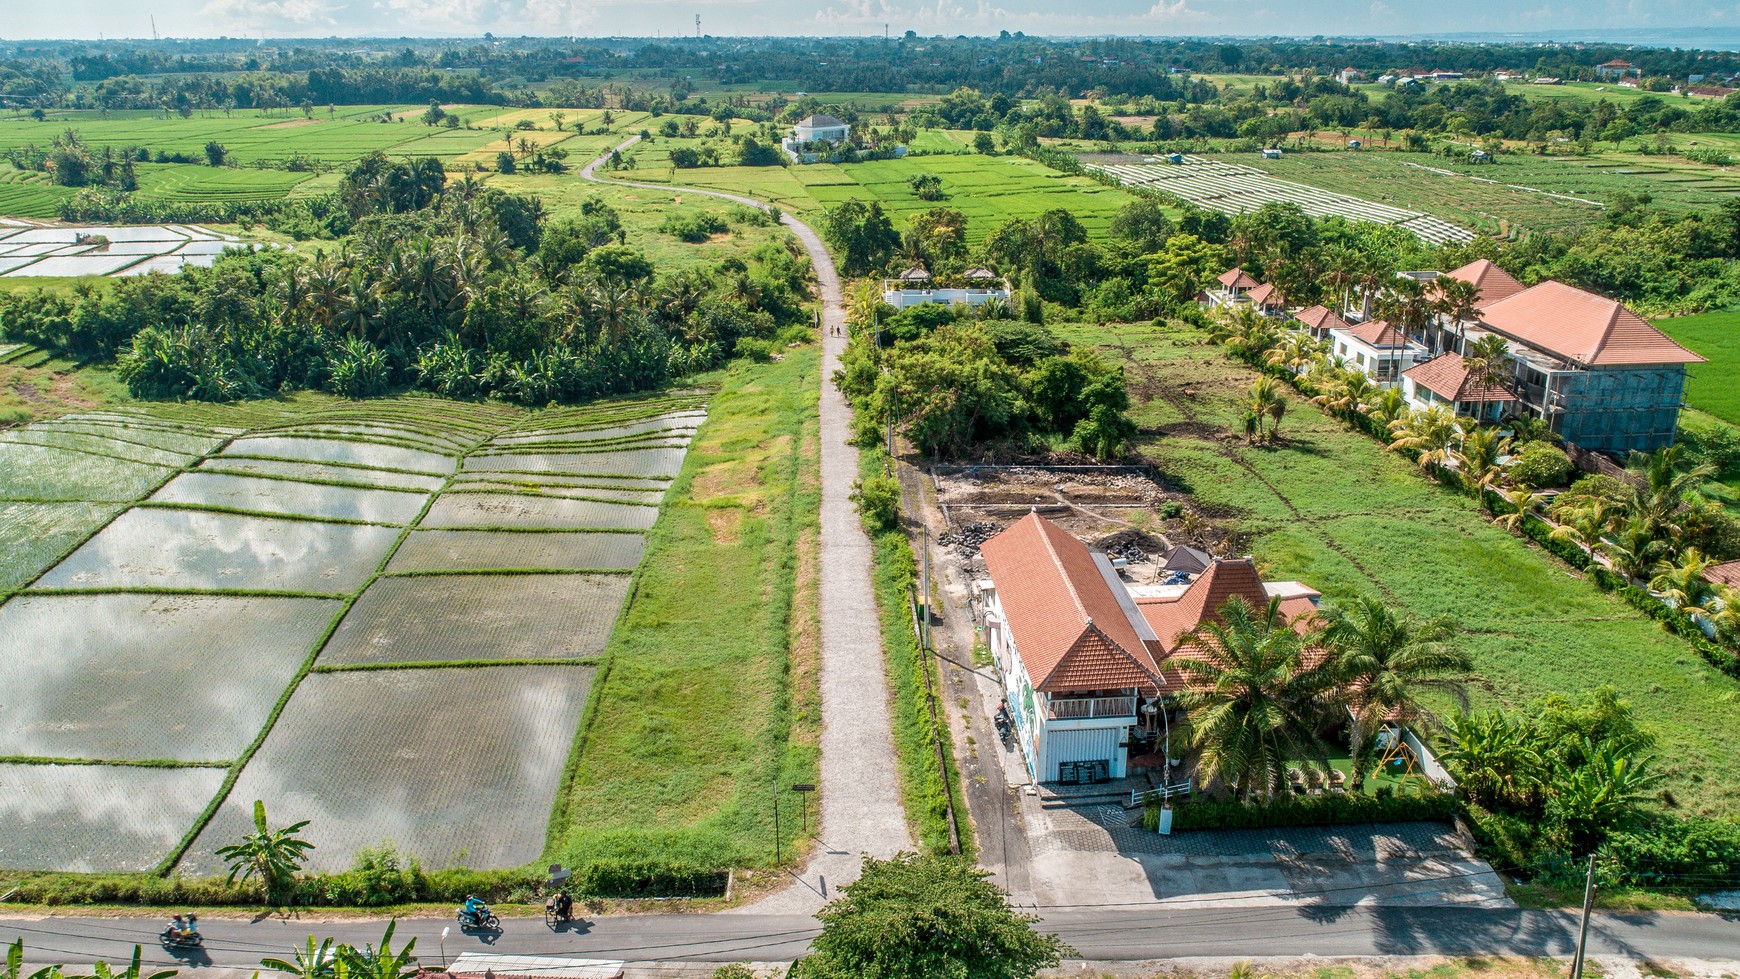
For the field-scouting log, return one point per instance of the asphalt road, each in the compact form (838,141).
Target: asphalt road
(1097,934)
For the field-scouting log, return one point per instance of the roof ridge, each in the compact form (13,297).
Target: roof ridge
(1063,572)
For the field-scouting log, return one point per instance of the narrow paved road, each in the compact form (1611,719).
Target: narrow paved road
(1096,935)
(861,808)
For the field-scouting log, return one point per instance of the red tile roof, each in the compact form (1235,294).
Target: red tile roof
(1321,318)
(1726,573)
(1202,601)
(1378,333)
(1493,282)
(1582,327)
(1068,624)
(1267,294)
(1237,279)
(1448,377)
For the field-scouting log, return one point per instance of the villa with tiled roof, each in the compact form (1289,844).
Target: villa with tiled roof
(1083,654)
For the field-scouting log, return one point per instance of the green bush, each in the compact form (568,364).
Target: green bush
(1674,854)
(694,227)
(878,500)
(1340,809)
(1538,466)
(755,348)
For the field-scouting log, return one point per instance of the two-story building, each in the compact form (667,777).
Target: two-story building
(1376,349)
(1084,656)
(1318,321)
(1448,380)
(1231,287)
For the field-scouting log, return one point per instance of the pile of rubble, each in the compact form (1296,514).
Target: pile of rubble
(1133,546)
(966,538)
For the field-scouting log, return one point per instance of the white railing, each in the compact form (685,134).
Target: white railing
(1075,708)
(1142,797)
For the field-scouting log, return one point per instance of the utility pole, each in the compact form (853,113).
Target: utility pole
(697,27)
(1583,929)
(154,36)
(924,596)
(776,824)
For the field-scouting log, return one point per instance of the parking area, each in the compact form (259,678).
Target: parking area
(1097,855)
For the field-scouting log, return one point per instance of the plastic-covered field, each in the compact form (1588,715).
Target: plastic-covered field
(185,549)
(320,473)
(137,677)
(661,463)
(286,496)
(455,766)
(98,817)
(340,450)
(37,534)
(478,550)
(506,510)
(29,472)
(479,617)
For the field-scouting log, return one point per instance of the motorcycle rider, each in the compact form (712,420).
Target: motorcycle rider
(475,909)
(192,925)
(177,927)
(564,906)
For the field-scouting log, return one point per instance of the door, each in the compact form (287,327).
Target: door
(1074,752)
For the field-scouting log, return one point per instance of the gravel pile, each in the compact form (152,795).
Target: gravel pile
(966,538)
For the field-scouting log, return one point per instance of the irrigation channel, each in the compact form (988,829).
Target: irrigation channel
(860,790)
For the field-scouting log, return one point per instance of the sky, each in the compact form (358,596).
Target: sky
(429,18)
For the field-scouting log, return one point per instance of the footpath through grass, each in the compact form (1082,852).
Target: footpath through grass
(705,709)
(1332,508)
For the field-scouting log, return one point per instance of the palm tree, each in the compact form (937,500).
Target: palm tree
(1478,458)
(1632,547)
(1524,501)
(1348,392)
(1385,661)
(1431,433)
(1456,303)
(1488,359)
(1294,353)
(273,856)
(1254,705)
(1683,584)
(1582,525)
(1266,401)
(1387,407)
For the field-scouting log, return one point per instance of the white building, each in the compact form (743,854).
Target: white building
(1377,349)
(826,129)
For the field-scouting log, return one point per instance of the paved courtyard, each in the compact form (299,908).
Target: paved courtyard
(1096,855)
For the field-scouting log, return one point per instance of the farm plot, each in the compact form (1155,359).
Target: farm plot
(69,251)
(37,534)
(479,617)
(660,463)
(339,451)
(218,490)
(523,511)
(498,550)
(455,766)
(316,472)
(190,550)
(34,472)
(141,677)
(1711,386)
(1236,189)
(98,818)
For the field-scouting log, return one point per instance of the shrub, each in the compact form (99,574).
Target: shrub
(878,500)
(1538,466)
(1673,854)
(1316,810)
(694,227)
(755,348)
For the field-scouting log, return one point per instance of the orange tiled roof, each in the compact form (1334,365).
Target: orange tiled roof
(1582,327)
(1726,573)
(1378,333)
(1267,294)
(1068,624)
(1321,318)
(1237,279)
(1448,376)
(1493,282)
(1201,602)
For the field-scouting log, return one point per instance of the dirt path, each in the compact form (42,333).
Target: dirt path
(860,788)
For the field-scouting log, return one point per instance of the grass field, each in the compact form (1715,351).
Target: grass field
(988,189)
(1331,508)
(1711,387)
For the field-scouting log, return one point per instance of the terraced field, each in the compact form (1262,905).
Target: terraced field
(342,609)
(27,249)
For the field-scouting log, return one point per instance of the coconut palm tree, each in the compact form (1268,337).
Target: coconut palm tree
(1524,501)
(1582,525)
(1385,662)
(1350,391)
(1255,706)
(1478,458)
(1265,402)
(1682,583)
(1632,547)
(1488,359)
(1432,433)
(1386,407)
(1295,352)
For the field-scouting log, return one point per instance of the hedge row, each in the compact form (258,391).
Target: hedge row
(1337,809)
(374,886)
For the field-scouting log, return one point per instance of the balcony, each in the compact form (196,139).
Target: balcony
(1082,708)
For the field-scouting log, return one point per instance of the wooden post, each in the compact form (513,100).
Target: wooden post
(1583,929)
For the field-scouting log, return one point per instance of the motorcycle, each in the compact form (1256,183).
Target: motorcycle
(172,938)
(483,919)
(1005,723)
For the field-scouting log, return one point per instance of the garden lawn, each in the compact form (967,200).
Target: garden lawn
(705,696)
(1711,387)
(1330,507)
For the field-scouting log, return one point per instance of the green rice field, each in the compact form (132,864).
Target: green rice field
(988,189)
(1712,386)
(250,593)
(1330,507)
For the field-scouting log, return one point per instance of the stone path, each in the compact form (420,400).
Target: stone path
(860,791)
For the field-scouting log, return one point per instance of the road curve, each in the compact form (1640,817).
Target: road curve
(860,788)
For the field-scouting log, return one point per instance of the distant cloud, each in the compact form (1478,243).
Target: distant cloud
(273,16)
(476,16)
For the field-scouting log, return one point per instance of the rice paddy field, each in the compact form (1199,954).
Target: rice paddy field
(344,609)
(1520,192)
(1332,508)
(989,190)
(1711,386)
